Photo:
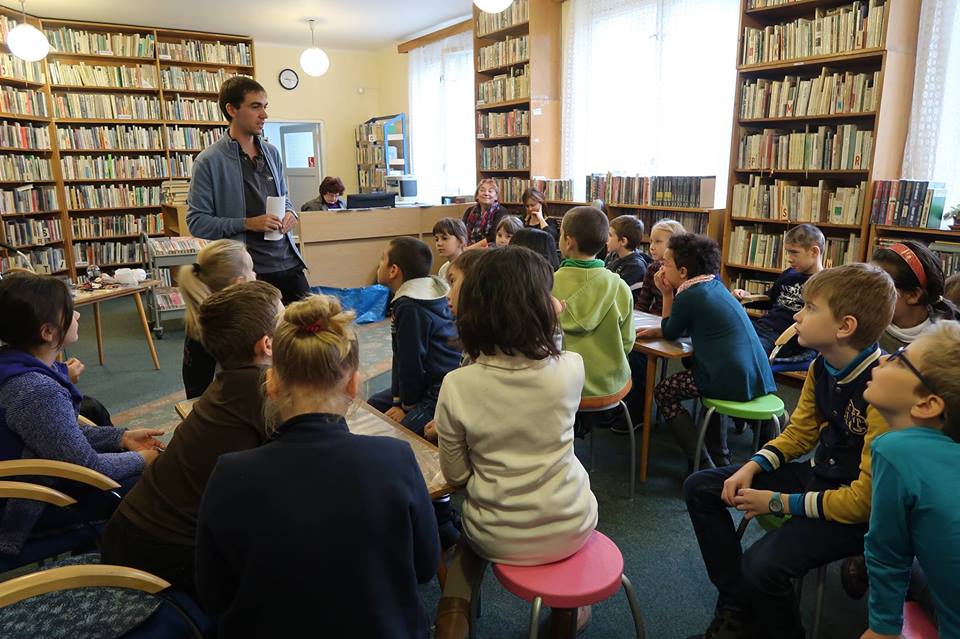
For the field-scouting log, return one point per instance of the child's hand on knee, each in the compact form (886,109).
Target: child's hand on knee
(743,478)
(430,431)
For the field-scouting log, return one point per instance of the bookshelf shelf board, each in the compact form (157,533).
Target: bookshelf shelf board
(813,61)
(501,138)
(204,65)
(22,116)
(101,57)
(115,208)
(110,265)
(789,9)
(822,225)
(884,228)
(810,172)
(503,67)
(14,149)
(191,92)
(746,122)
(105,121)
(501,105)
(29,83)
(83,87)
(759,269)
(50,212)
(186,150)
(527,170)
(754,312)
(131,236)
(27,247)
(654,207)
(197,123)
(119,179)
(62,151)
(515,29)
(25,182)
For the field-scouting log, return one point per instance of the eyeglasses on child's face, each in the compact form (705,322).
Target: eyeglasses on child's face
(901,356)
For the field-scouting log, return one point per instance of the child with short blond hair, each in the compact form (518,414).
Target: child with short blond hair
(650,299)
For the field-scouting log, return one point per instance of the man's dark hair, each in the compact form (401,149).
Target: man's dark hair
(505,305)
(540,242)
(587,225)
(630,227)
(412,257)
(332,184)
(697,253)
(28,302)
(234,91)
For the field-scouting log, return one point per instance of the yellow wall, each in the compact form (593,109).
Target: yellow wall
(392,77)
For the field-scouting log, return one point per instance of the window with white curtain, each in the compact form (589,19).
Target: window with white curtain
(442,133)
(649,88)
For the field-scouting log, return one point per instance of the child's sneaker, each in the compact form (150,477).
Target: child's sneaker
(727,624)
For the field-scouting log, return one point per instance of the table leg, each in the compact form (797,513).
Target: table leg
(146,330)
(647,413)
(99,327)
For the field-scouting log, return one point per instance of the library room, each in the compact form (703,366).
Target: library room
(250,253)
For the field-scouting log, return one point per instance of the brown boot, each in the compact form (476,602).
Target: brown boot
(453,618)
(566,623)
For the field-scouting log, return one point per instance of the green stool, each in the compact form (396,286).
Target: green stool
(765,408)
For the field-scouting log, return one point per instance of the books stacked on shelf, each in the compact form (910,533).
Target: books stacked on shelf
(504,52)
(189,138)
(32,199)
(374,179)
(498,125)
(693,222)
(109,138)
(112,196)
(181,79)
(370,154)
(798,96)
(169,298)
(516,13)
(554,190)
(838,250)
(6,24)
(174,193)
(832,30)
(14,68)
(512,85)
(192,109)
(106,106)
(164,275)
(141,76)
(505,157)
(107,253)
(752,286)
(679,191)
(181,165)
(910,203)
(47,261)
(110,167)
(846,147)
(751,246)
(19,136)
(161,246)
(25,168)
(132,45)
(235,53)
(22,101)
(947,251)
(790,201)
(380,130)
(110,225)
(33,231)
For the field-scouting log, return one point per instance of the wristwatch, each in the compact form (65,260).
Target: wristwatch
(776,505)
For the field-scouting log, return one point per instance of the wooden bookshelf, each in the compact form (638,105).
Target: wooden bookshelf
(889,67)
(208,59)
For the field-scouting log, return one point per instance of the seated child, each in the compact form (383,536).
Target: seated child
(539,242)
(533,202)
(320,531)
(39,406)
(623,252)
(917,274)
(219,264)
(528,499)
(450,235)
(155,527)
(845,310)
(728,362)
(508,225)
(650,299)
(422,333)
(916,469)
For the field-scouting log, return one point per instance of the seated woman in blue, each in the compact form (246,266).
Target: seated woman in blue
(728,360)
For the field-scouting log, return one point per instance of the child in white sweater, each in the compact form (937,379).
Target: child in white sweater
(528,497)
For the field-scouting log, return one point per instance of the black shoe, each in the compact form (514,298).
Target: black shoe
(727,624)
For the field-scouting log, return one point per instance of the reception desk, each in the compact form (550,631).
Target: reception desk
(342,248)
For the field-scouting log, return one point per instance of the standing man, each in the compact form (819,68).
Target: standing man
(231,182)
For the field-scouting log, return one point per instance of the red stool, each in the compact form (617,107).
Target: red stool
(916,623)
(594,573)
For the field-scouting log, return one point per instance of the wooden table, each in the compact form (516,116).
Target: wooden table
(86,298)
(369,421)
(654,349)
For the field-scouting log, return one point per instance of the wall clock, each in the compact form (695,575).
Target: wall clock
(289,79)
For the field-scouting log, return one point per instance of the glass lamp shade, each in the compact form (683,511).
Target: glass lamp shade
(492,6)
(28,43)
(314,61)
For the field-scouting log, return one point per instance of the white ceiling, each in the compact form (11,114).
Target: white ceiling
(343,24)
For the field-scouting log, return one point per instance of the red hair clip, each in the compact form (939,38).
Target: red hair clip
(315,327)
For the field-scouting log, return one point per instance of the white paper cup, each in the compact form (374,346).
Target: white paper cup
(275,207)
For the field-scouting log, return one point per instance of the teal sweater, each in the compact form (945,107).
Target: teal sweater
(916,472)
(728,361)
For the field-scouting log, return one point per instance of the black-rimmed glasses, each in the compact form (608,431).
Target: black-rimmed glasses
(902,356)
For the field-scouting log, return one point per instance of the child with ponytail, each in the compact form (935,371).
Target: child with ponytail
(219,264)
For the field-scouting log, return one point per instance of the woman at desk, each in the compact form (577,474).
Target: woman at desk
(482,218)
(331,188)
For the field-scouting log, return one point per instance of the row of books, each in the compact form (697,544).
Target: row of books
(846,147)
(511,189)
(178,78)
(109,167)
(24,168)
(24,136)
(513,156)
(181,165)
(513,85)
(23,101)
(48,260)
(693,222)
(670,190)
(16,68)
(763,4)
(174,192)
(498,125)
(516,13)
(106,106)
(833,30)
(193,138)
(237,53)
(164,276)
(111,196)
(110,138)
(169,299)
(751,246)
(129,45)
(81,74)
(750,285)
(789,200)
(373,178)
(28,200)
(109,225)
(192,109)
(163,246)
(379,131)
(795,96)
(107,253)
(508,51)
(947,252)
(6,24)
(32,231)
(371,154)
(912,203)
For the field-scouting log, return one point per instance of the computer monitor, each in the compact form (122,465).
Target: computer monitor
(371,200)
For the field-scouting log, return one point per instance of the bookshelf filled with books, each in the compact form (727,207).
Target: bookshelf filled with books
(88,135)
(822,102)
(517,71)
(383,148)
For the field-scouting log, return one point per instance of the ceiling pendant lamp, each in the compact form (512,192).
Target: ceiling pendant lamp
(492,6)
(314,61)
(26,41)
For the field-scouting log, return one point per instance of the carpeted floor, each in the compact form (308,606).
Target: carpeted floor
(652,530)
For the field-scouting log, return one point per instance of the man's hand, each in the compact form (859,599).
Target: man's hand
(396,414)
(289,221)
(262,223)
(75,368)
(753,502)
(142,439)
(649,333)
(743,478)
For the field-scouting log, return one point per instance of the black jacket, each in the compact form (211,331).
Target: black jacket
(631,269)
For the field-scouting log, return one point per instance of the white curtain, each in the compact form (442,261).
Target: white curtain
(442,134)
(649,87)
(933,139)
